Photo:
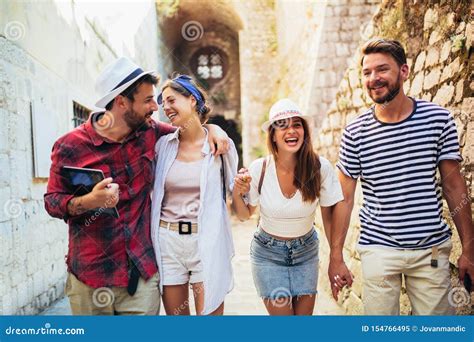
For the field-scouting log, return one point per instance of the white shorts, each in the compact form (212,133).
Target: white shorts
(180,258)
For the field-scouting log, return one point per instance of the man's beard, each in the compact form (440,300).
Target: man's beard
(135,120)
(392,91)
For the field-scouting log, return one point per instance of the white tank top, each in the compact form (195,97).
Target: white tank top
(182,190)
(290,217)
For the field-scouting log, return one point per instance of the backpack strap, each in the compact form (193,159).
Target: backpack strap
(262,175)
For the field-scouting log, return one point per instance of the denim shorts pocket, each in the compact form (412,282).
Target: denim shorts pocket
(261,239)
(260,251)
(312,239)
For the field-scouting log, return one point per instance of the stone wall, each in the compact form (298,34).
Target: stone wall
(346,23)
(258,48)
(312,45)
(36,68)
(438,41)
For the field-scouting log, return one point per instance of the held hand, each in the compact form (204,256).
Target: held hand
(466,265)
(105,194)
(339,276)
(242,182)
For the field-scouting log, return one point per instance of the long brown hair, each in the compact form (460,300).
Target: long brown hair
(308,167)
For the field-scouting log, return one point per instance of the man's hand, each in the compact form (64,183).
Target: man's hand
(466,265)
(339,276)
(105,194)
(218,137)
(456,194)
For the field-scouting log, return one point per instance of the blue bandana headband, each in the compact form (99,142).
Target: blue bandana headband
(185,82)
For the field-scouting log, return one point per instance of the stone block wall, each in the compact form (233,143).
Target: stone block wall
(35,68)
(257,50)
(312,45)
(438,41)
(345,25)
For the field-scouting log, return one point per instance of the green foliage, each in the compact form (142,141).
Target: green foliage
(343,103)
(458,42)
(167,8)
(259,152)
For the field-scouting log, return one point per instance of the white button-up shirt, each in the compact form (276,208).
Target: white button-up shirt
(216,246)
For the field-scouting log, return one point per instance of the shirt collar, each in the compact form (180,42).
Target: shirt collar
(96,138)
(206,149)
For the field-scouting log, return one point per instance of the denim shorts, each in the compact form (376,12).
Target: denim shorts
(285,268)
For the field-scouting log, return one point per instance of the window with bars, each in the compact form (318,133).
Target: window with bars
(209,64)
(80,115)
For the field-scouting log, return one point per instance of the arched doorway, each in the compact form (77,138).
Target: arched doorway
(203,41)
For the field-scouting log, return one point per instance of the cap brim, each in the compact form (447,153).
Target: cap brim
(101,103)
(266,125)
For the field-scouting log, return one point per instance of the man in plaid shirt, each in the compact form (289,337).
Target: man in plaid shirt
(111,263)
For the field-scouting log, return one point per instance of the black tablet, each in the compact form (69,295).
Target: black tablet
(81,181)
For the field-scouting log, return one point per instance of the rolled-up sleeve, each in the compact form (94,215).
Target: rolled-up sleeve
(57,197)
(231,160)
(448,143)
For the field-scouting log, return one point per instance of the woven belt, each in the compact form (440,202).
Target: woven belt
(183,227)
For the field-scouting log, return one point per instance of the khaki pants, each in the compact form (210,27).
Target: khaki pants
(86,300)
(427,287)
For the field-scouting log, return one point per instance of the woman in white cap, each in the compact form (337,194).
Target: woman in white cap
(288,185)
(190,224)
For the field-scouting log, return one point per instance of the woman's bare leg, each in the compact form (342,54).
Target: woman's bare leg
(176,299)
(304,305)
(198,292)
(279,307)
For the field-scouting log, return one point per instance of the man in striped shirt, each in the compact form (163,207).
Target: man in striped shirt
(396,149)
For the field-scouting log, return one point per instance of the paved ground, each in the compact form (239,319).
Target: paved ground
(243,300)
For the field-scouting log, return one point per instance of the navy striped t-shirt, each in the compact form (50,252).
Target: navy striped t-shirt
(397,164)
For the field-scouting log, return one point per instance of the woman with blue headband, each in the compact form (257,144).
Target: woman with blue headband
(190,224)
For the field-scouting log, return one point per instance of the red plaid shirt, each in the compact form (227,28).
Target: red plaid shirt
(100,247)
